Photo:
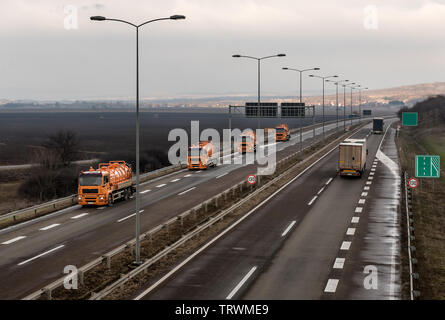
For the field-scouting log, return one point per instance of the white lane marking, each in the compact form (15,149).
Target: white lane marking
(371,173)
(350,231)
(370,178)
(368,182)
(145,191)
(361,201)
(169,274)
(331,286)
(41,255)
(321,190)
(358,210)
(288,228)
(161,185)
(339,262)
(198,171)
(180,194)
(50,226)
(364,194)
(355,219)
(366,188)
(329,181)
(345,245)
(312,201)
(131,215)
(374,166)
(174,180)
(80,215)
(372,170)
(241,283)
(222,175)
(14,240)
(100,208)
(187,175)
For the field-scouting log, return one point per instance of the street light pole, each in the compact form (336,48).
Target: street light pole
(259,77)
(336,93)
(138,223)
(301,100)
(323,79)
(349,84)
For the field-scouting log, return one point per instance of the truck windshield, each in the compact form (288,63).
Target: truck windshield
(196,152)
(279,129)
(90,179)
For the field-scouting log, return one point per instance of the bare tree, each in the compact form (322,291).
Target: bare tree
(65,144)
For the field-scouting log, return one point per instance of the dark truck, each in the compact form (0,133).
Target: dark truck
(377,125)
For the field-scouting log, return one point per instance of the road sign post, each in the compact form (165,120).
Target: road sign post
(427,166)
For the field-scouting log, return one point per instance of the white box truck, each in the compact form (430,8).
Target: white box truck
(352,157)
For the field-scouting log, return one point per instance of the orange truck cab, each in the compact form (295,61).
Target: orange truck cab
(106,184)
(248,141)
(282,132)
(201,156)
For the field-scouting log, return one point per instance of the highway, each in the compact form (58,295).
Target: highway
(35,253)
(313,240)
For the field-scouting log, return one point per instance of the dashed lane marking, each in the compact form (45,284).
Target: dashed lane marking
(50,226)
(181,193)
(161,185)
(345,245)
(355,219)
(350,231)
(366,188)
(288,228)
(14,240)
(331,286)
(321,190)
(312,201)
(145,191)
(361,201)
(41,255)
(174,180)
(241,283)
(329,181)
(131,215)
(339,262)
(358,210)
(364,194)
(222,175)
(80,215)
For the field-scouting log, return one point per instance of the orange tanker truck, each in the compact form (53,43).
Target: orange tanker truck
(248,141)
(201,156)
(106,184)
(282,132)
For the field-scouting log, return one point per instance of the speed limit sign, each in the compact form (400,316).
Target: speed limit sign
(251,179)
(413,183)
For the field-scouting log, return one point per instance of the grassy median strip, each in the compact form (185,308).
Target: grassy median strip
(102,276)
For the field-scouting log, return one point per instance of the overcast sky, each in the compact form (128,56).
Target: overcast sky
(45,55)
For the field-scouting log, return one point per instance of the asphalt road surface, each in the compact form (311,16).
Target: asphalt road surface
(35,253)
(321,237)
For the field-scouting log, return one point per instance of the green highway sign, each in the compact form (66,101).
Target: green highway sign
(427,166)
(409,119)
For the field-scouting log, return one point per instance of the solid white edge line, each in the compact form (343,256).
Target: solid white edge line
(40,255)
(80,215)
(14,240)
(156,284)
(181,193)
(288,228)
(331,286)
(241,283)
(50,226)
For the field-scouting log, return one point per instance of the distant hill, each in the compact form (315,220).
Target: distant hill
(404,95)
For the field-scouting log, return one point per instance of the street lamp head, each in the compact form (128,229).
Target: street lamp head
(311,75)
(281,55)
(236,56)
(316,69)
(97,18)
(285,68)
(177,17)
(334,76)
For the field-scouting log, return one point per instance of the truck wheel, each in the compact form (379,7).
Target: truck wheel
(110,200)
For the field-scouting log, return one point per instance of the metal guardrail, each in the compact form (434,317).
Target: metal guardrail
(68,201)
(410,237)
(47,290)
